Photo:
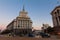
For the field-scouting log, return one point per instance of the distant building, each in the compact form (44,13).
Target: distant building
(45,26)
(56,19)
(37,32)
(22,24)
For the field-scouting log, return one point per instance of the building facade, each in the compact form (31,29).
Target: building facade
(22,24)
(56,19)
(56,16)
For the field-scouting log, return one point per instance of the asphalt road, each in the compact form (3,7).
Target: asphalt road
(27,38)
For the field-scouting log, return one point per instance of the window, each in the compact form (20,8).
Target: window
(58,11)
(19,23)
(59,18)
(55,14)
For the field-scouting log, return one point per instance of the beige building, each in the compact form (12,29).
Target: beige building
(56,20)
(56,16)
(22,24)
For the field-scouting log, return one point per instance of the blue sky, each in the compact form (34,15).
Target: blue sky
(38,10)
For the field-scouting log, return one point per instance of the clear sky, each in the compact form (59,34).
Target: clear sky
(38,10)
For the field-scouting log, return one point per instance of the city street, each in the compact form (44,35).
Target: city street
(27,38)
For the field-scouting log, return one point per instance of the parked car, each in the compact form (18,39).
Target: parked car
(44,35)
(31,35)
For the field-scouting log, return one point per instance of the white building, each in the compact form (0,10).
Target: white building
(22,23)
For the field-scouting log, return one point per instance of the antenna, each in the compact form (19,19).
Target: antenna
(23,8)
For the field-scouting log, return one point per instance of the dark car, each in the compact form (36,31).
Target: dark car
(44,35)
(30,35)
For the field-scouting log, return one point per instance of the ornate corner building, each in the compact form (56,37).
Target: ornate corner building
(56,19)
(22,24)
